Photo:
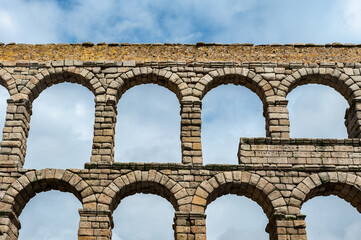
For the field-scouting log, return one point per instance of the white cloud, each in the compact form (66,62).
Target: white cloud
(29,21)
(353,230)
(39,21)
(352,19)
(6,22)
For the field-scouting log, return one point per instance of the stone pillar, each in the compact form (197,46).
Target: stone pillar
(95,225)
(353,119)
(277,119)
(191,132)
(15,133)
(9,225)
(189,226)
(104,130)
(287,227)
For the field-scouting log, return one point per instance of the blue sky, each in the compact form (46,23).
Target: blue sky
(257,21)
(64,121)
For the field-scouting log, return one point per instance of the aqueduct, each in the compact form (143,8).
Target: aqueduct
(277,172)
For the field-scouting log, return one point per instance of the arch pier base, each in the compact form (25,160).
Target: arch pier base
(95,224)
(189,226)
(287,227)
(9,225)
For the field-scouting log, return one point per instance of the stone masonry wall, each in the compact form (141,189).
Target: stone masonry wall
(277,172)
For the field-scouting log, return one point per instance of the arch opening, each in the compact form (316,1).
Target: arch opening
(61,128)
(148,126)
(317,111)
(229,112)
(342,222)
(55,212)
(235,217)
(151,212)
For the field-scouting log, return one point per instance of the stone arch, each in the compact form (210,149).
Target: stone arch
(25,187)
(8,82)
(344,185)
(240,183)
(144,75)
(236,76)
(333,78)
(151,181)
(51,76)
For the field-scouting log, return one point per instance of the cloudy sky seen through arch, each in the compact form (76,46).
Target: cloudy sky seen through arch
(141,21)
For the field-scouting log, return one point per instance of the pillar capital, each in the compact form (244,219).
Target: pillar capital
(190,215)
(277,102)
(191,103)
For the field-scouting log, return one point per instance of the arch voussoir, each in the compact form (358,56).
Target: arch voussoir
(331,77)
(145,75)
(344,185)
(26,186)
(237,76)
(151,181)
(253,185)
(51,76)
(8,82)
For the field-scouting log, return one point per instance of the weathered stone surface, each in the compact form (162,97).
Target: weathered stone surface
(130,54)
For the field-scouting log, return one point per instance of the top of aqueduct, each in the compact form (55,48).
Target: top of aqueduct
(199,52)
